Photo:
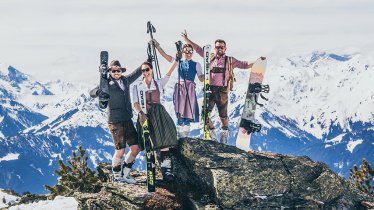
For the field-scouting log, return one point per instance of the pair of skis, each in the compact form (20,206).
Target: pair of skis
(148,148)
(207,92)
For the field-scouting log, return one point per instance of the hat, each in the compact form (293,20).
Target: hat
(115,63)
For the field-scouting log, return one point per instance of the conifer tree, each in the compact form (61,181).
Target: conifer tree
(362,178)
(75,176)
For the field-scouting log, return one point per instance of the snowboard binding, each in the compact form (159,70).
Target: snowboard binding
(250,126)
(258,89)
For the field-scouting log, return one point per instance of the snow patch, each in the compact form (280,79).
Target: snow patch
(59,203)
(352,144)
(10,156)
(338,139)
(9,199)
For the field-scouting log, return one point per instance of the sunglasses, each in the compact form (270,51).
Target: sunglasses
(188,51)
(116,71)
(220,47)
(146,69)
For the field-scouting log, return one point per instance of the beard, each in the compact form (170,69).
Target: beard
(220,53)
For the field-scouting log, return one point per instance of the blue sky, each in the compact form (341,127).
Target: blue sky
(62,39)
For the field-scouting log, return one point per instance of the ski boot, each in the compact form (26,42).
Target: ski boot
(126,177)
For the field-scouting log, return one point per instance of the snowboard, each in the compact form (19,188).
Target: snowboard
(207,92)
(104,85)
(148,151)
(247,123)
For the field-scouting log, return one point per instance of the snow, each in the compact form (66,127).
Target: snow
(59,203)
(8,199)
(315,90)
(352,144)
(10,156)
(336,140)
(323,92)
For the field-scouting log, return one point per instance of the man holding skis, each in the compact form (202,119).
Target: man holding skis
(221,82)
(119,120)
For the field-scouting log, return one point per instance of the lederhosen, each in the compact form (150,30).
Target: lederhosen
(162,128)
(219,94)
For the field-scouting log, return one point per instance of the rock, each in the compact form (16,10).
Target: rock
(235,179)
(115,195)
(210,175)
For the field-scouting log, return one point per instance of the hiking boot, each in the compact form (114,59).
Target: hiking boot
(127,177)
(119,175)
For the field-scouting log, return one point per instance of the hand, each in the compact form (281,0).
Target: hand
(103,69)
(102,95)
(184,35)
(178,56)
(149,59)
(142,117)
(154,42)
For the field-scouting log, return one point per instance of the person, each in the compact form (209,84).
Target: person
(161,126)
(221,82)
(119,120)
(185,101)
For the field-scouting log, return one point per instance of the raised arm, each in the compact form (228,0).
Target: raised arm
(134,75)
(195,46)
(243,64)
(161,51)
(172,68)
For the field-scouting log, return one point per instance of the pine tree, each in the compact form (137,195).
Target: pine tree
(75,176)
(362,178)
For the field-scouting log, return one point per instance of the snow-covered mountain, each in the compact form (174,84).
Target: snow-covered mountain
(321,105)
(324,103)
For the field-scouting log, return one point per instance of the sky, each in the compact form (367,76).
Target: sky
(53,40)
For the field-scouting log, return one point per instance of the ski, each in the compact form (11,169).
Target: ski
(103,68)
(207,92)
(255,88)
(149,154)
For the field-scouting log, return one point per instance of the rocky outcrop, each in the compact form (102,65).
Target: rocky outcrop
(235,179)
(210,175)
